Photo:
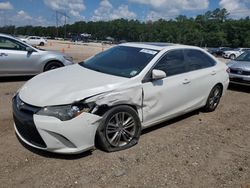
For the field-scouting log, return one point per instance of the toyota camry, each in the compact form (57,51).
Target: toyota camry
(109,98)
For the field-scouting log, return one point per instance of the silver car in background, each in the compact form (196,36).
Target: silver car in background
(18,58)
(240,69)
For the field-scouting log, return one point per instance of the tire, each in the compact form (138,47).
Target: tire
(41,43)
(52,65)
(213,99)
(232,56)
(119,130)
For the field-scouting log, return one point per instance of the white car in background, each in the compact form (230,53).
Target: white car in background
(35,41)
(233,54)
(107,99)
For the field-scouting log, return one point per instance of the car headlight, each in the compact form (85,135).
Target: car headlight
(68,58)
(66,112)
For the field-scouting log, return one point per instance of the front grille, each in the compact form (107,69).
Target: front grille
(240,72)
(23,118)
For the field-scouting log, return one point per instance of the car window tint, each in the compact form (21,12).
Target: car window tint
(172,63)
(198,60)
(9,44)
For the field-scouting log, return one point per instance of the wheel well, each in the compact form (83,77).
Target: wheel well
(104,108)
(52,61)
(220,85)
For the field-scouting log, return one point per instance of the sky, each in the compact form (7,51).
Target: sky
(43,12)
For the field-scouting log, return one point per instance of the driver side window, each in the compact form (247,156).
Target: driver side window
(172,63)
(9,44)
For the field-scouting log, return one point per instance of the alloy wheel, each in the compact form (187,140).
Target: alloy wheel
(120,129)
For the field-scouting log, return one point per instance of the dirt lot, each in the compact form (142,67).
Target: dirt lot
(79,51)
(196,150)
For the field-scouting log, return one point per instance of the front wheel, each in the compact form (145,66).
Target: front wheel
(120,129)
(213,99)
(52,65)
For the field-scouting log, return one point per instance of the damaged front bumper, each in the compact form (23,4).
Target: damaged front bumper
(51,134)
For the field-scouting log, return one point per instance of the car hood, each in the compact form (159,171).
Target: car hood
(244,65)
(67,85)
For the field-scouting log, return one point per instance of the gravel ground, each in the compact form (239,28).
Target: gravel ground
(195,150)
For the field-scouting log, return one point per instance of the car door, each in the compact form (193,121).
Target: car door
(15,59)
(202,75)
(167,97)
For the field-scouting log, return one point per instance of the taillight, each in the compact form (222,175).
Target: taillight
(228,70)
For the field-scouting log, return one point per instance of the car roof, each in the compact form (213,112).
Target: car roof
(157,45)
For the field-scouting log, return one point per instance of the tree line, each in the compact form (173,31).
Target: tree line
(212,29)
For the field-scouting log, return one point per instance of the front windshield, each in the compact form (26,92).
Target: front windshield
(121,61)
(244,57)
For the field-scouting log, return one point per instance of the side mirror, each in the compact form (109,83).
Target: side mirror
(29,49)
(158,74)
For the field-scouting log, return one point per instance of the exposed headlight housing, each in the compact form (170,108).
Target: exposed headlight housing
(66,112)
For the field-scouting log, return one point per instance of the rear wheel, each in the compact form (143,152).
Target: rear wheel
(52,65)
(120,129)
(41,43)
(213,99)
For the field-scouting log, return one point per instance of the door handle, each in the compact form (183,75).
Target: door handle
(186,81)
(213,73)
(3,54)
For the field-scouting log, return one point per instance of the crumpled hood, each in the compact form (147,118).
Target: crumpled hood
(66,85)
(244,65)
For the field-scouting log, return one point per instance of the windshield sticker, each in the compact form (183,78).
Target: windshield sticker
(152,52)
(132,73)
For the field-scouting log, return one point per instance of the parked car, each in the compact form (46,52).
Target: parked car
(19,58)
(110,97)
(232,54)
(35,40)
(240,69)
(218,51)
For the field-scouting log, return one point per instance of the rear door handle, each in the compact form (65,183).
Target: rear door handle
(213,73)
(3,54)
(186,81)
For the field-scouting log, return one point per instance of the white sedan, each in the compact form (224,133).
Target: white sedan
(35,41)
(110,97)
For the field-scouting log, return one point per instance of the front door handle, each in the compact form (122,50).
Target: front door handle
(3,54)
(186,81)
(213,73)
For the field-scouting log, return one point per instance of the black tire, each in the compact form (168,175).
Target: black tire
(41,43)
(213,99)
(52,65)
(232,56)
(125,137)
